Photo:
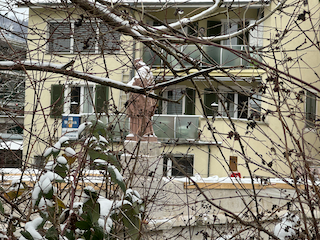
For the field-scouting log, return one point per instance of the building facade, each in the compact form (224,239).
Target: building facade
(226,123)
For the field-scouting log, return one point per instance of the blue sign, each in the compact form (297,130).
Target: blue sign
(70,124)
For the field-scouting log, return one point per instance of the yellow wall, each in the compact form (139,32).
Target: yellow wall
(255,142)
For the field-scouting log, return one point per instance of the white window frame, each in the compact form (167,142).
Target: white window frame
(165,103)
(67,93)
(72,22)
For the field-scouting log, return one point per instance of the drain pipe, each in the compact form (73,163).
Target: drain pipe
(132,72)
(209,154)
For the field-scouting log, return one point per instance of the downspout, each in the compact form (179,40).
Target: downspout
(132,72)
(209,153)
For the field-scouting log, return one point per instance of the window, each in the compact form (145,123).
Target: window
(78,99)
(235,104)
(170,168)
(210,97)
(239,105)
(310,109)
(216,28)
(231,27)
(74,37)
(187,102)
(10,158)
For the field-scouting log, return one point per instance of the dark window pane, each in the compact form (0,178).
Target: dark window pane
(102,93)
(150,57)
(190,102)
(310,109)
(59,38)
(209,98)
(75,100)
(242,106)
(213,28)
(255,108)
(170,165)
(57,100)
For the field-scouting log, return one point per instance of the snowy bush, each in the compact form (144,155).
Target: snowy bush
(94,216)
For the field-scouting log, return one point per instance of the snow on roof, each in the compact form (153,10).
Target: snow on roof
(12,145)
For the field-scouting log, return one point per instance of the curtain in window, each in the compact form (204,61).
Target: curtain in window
(174,108)
(87,99)
(228,101)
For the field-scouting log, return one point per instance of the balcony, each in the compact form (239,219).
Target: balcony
(184,127)
(166,127)
(119,124)
(221,56)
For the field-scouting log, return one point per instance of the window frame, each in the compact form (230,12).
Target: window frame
(61,98)
(98,50)
(224,90)
(67,94)
(310,124)
(168,164)
(187,100)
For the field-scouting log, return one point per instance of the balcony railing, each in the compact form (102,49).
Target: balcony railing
(221,56)
(176,126)
(166,127)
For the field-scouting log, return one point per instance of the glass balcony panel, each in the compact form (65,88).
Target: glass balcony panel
(150,58)
(229,59)
(191,51)
(213,52)
(120,126)
(187,127)
(163,126)
(255,55)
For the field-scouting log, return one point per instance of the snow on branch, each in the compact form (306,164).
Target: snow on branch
(192,19)
(61,69)
(137,31)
